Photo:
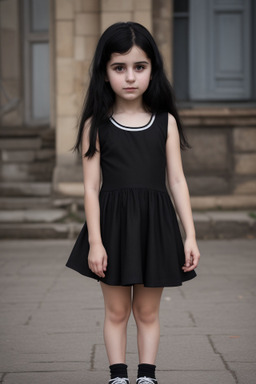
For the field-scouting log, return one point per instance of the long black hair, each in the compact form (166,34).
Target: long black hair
(100,98)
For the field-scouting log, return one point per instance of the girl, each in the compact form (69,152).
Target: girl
(130,130)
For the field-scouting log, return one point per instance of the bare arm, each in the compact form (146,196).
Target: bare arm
(97,258)
(179,190)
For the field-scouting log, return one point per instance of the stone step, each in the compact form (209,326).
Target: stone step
(40,231)
(26,172)
(21,189)
(27,155)
(41,224)
(21,143)
(32,216)
(16,203)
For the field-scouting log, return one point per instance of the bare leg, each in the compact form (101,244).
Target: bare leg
(117,312)
(146,303)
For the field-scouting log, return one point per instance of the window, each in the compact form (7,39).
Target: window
(213,41)
(36,61)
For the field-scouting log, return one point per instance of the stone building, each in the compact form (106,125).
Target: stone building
(46,48)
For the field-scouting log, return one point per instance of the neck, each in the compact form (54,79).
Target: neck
(129,107)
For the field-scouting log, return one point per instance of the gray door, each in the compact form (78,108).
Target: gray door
(220,50)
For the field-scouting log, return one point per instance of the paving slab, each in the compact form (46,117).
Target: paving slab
(52,318)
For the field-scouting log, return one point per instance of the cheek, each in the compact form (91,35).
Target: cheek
(114,82)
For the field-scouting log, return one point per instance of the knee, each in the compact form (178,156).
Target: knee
(145,314)
(118,314)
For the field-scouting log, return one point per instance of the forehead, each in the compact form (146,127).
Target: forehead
(135,54)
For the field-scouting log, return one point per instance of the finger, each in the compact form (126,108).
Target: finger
(105,263)
(187,258)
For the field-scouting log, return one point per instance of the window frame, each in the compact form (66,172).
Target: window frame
(30,37)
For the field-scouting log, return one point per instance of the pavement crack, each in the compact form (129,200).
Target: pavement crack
(191,316)
(222,359)
(39,304)
(3,377)
(92,358)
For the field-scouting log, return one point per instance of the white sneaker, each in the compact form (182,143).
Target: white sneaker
(146,380)
(119,380)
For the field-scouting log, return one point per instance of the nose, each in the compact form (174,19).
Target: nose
(130,77)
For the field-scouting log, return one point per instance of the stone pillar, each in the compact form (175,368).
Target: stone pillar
(10,64)
(163,31)
(77,24)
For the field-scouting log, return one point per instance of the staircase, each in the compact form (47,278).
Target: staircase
(28,208)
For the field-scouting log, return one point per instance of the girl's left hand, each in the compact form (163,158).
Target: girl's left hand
(192,255)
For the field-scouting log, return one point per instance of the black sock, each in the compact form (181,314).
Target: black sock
(147,370)
(118,370)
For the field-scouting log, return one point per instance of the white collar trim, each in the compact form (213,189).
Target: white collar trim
(113,121)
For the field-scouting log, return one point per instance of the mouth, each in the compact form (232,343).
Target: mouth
(130,89)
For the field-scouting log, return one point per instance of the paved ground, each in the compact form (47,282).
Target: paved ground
(51,319)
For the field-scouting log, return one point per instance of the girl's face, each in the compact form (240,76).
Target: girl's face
(129,74)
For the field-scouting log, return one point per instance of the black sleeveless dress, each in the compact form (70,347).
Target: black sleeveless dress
(139,227)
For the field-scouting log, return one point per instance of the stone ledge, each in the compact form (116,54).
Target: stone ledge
(18,203)
(32,216)
(21,189)
(39,231)
(225,202)
(218,116)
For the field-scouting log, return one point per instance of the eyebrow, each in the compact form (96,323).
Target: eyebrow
(137,62)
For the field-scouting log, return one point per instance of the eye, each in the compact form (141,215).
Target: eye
(139,68)
(119,68)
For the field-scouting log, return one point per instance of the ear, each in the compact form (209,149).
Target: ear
(106,79)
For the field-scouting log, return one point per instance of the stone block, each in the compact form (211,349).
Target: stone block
(9,15)
(80,51)
(14,188)
(142,5)
(22,156)
(67,105)
(245,164)
(66,135)
(65,76)
(85,47)
(87,24)
(208,185)
(144,18)
(10,60)
(108,18)
(245,187)
(117,5)
(164,9)
(90,46)
(64,9)
(30,143)
(89,5)
(209,151)
(82,69)
(45,154)
(26,172)
(64,39)
(244,139)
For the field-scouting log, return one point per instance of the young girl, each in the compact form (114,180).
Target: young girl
(130,131)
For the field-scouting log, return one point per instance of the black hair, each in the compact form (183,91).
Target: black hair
(100,98)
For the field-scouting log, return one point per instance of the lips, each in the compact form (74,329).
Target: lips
(130,89)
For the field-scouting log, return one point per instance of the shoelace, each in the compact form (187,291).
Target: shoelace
(119,380)
(145,380)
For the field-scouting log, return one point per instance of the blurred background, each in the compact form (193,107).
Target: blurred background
(46,48)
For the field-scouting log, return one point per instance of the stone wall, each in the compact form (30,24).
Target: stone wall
(222,160)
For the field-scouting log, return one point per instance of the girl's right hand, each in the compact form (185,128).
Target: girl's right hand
(97,259)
